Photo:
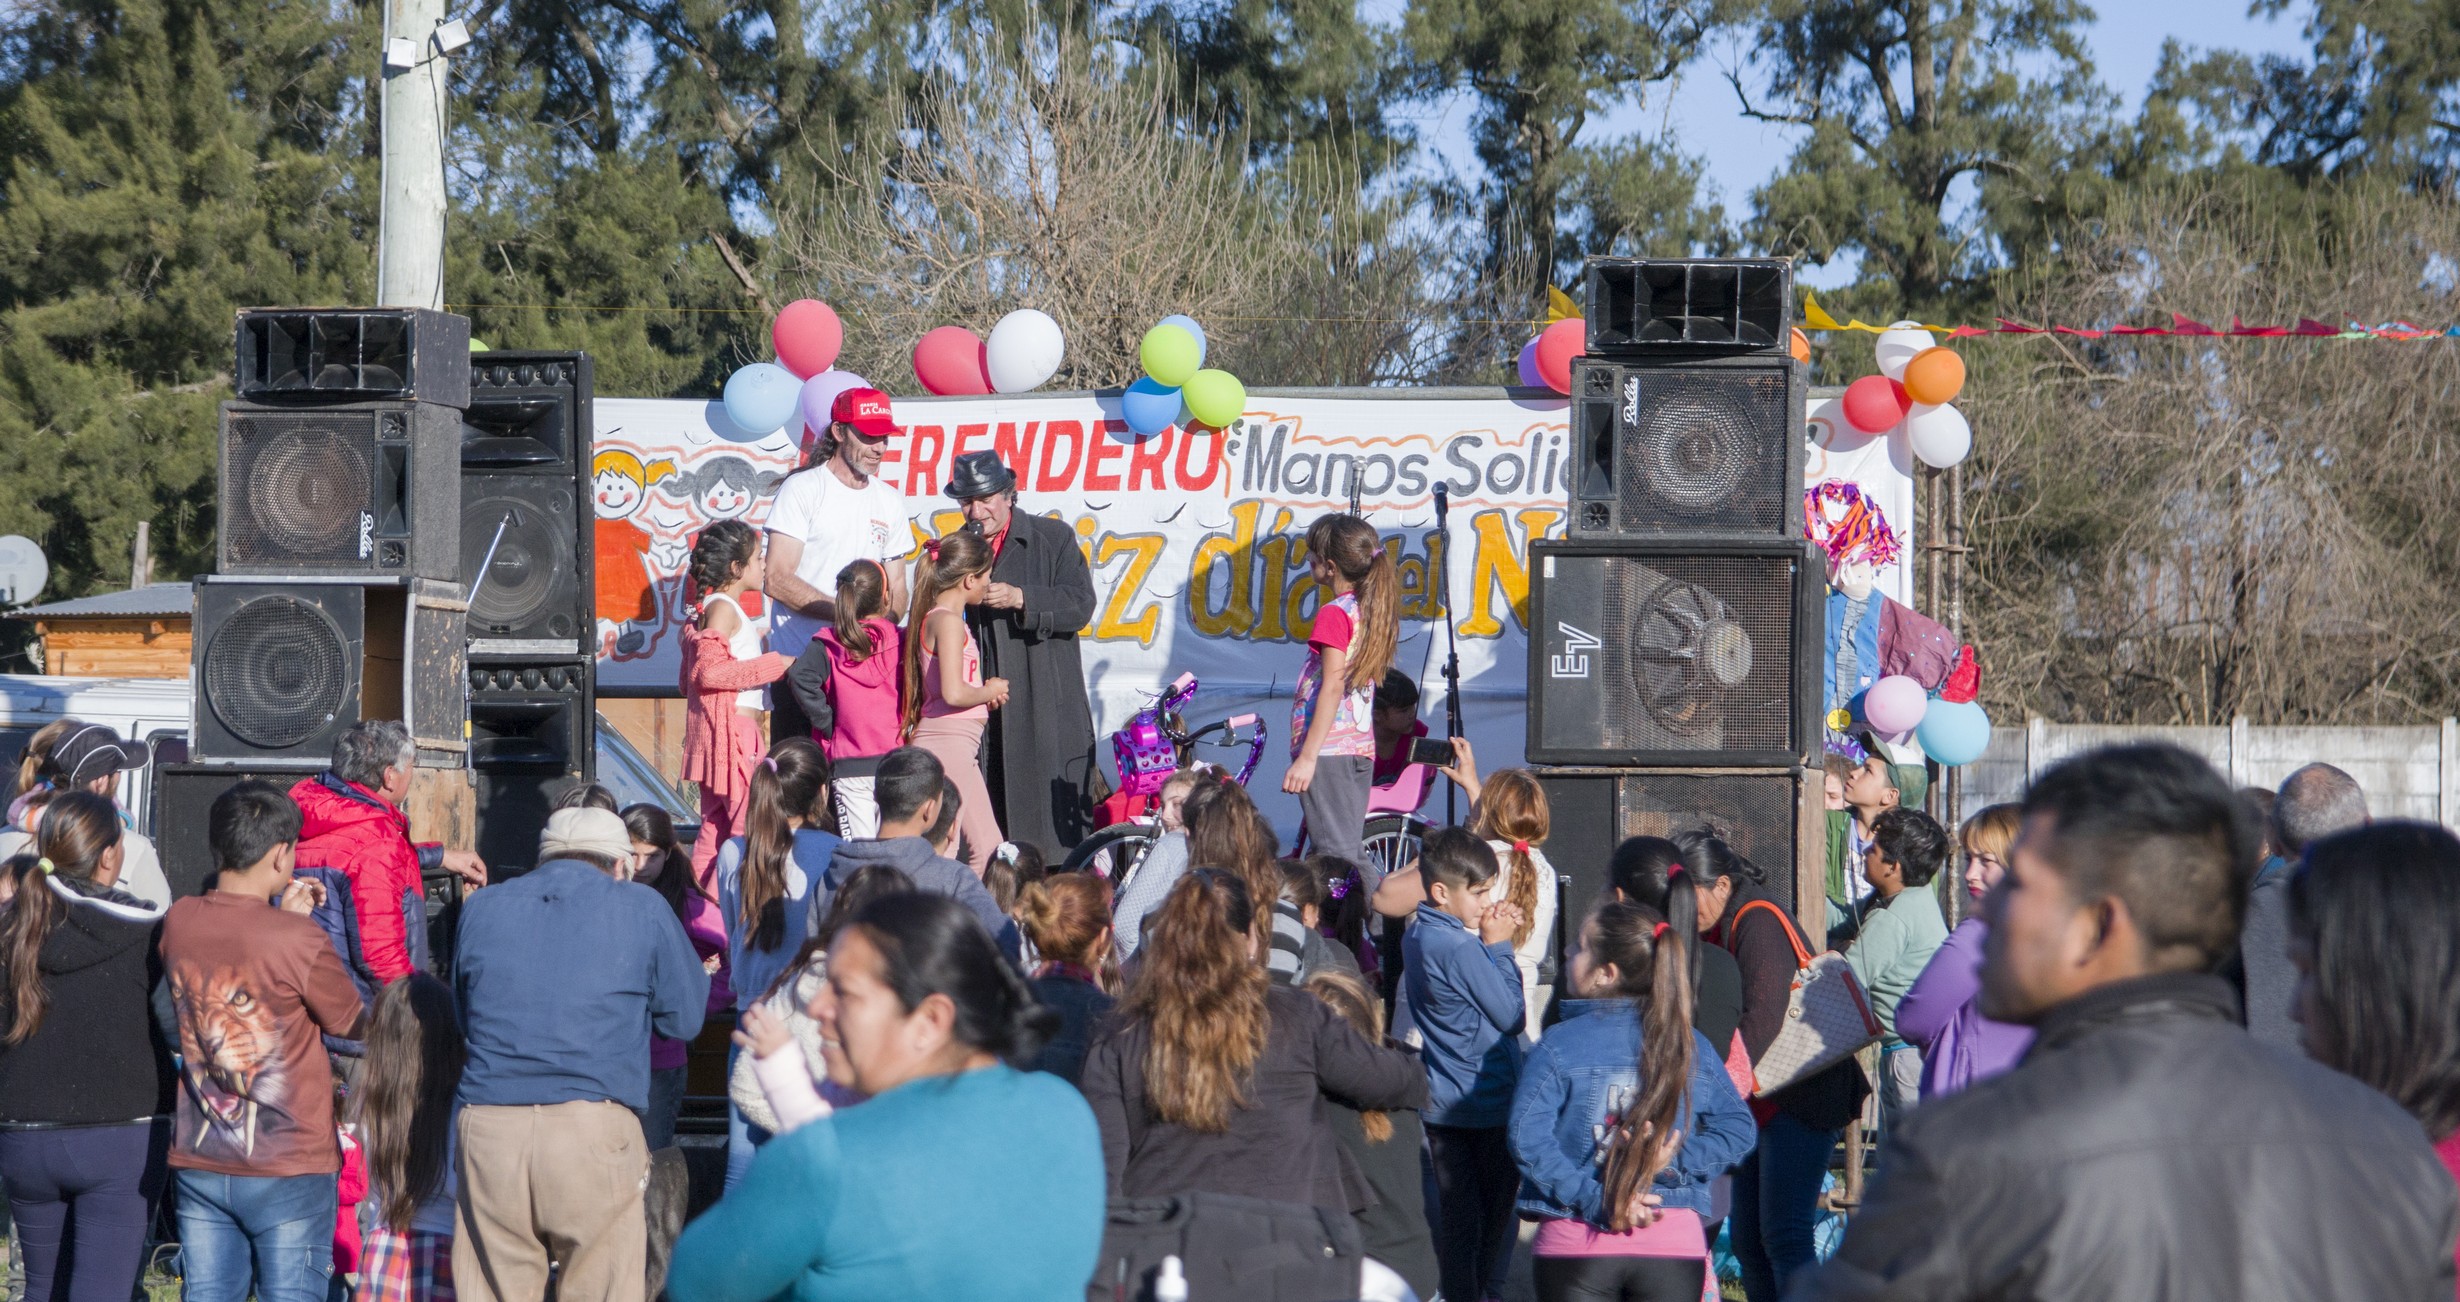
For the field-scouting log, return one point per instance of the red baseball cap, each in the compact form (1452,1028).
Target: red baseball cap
(866,410)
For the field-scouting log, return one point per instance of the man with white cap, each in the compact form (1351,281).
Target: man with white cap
(91,758)
(562,974)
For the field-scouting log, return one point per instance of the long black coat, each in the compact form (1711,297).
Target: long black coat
(1037,755)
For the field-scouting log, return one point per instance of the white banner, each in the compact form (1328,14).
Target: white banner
(1190,533)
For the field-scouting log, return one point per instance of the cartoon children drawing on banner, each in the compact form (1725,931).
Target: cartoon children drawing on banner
(627,608)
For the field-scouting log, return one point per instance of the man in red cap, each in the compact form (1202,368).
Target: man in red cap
(826,517)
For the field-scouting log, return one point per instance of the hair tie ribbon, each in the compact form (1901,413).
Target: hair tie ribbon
(43,864)
(1520,847)
(931,548)
(1658,932)
(769,762)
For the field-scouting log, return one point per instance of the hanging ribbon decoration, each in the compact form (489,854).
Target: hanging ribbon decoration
(1815,317)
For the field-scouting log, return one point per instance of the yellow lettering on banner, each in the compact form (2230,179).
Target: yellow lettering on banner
(1232,551)
(943,523)
(1276,551)
(1499,561)
(1142,550)
(1084,537)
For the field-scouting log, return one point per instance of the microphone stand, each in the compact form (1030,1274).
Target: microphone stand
(1452,645)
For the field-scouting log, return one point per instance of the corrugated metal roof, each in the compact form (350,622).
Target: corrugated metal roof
(133,603)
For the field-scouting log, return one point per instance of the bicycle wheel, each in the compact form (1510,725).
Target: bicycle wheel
(1114,850)
(1391,842)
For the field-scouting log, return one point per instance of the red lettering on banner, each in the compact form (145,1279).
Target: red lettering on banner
(965,434)
(1188,482)
(1058,476)
(1106,449)
(1015,445)
(923,444)
(1147,457)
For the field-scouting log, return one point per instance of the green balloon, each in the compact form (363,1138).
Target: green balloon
(1214,397)
(1170,355)
(478,345)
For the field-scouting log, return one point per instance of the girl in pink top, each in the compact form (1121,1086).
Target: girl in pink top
(724,668)
(946,700)
(1332,716)
(863,689)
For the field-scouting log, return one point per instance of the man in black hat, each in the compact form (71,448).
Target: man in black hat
(1037,756)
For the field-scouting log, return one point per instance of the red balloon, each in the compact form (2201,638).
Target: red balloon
(949,360)
(1557,345)
(1875,404)
(808,335)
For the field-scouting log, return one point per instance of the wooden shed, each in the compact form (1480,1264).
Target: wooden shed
(138,633)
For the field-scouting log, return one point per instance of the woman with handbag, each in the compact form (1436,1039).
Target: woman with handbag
(1776,1189)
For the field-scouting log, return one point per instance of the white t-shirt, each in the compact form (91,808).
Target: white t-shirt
(838,526)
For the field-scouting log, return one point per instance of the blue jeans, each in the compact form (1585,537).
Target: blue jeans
(1776,1205)
(83,1196)
(274,1231)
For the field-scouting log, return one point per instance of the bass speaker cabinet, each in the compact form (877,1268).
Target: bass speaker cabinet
(525,455)
(362,489)
(1760,812)
(1689,306)
(325,355)
(533,731)
(1709,448)
(184,796)
(282,667)
(1674,653)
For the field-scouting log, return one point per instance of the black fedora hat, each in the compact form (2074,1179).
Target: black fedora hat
(978,474)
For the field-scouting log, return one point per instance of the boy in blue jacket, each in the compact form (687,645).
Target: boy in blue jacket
(1464,993)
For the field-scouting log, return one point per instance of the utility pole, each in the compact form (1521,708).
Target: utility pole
(410,234)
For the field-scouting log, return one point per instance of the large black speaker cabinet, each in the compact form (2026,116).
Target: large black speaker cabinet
(357,489)
(533,730)
(282,667)
(1702,653)
(1687,449)
(1591,811)
(1689,306)
(344,354)
(184,796)
(529,409)
(525,456)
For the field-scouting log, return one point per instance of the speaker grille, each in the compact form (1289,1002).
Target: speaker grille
(300,486)
(1702,450)
(533,566)
(278,670)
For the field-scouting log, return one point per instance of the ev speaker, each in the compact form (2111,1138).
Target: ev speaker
(184,796)
(329,354)
(533,731)
(1666,653)
(1708,448)
(358,489)
(282,667)
(1694,306)
(525,455)
(1759,812)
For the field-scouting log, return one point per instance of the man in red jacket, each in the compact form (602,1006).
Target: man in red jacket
(353,822)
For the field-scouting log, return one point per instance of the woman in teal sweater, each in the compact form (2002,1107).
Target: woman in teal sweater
(959,1177)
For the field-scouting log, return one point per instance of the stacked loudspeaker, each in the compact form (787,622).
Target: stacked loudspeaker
(345,573)
(1675,633)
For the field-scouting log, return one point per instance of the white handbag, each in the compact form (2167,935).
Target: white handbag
(1827,1016)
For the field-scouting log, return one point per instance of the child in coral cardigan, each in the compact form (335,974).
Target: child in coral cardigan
(725,669)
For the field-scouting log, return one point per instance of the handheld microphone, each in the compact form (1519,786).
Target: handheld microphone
(1443,502)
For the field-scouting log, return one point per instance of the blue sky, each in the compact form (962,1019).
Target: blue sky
(2126,40)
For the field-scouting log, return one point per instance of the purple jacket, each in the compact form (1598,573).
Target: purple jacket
(1941,1014)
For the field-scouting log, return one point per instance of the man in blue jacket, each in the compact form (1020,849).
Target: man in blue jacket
(562,975)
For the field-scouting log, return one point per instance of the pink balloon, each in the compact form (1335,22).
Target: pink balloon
(1529,377)
(1557,345)
(808,335)
(1895,704)
(820,393)
(1875,404)
(950,360)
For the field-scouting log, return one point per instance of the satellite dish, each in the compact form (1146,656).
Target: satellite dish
(23,571)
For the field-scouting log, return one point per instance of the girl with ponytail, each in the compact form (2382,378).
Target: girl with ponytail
(866,662)
(726,669)
(959,1176)
(1332,717)
(947,701)
(1514,818)
(1207,1077)
(1624,1117)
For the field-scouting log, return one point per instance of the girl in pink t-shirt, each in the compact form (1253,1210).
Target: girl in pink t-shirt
(1332,718)
(865,652)
(947,701)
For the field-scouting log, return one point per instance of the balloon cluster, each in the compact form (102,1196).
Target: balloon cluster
(762,397)
(1023,352)
(1175,376)
(1546,361)
(1910,396)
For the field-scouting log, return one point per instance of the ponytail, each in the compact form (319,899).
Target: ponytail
(862,593)
(786,786)
(77,830)
(944,563)
(1350,546)
(30,766)
(1652,954)
(1512,809)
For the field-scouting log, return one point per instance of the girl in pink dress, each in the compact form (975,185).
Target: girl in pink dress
(946,700)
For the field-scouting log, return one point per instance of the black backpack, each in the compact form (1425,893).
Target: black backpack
(1232,1249)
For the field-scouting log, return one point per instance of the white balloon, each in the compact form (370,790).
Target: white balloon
(1939,435)
(1023,351)
(1897,345)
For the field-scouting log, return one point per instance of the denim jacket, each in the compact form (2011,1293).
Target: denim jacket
(1465,996)
(1574,1085)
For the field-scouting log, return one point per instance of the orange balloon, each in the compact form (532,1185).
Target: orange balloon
(1800,346)
(1934,376)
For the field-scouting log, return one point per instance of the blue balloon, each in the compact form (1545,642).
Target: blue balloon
(762,397)
(1187,323)
(1955,733)
(1149,406)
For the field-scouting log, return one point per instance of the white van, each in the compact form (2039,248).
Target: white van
(155,711)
